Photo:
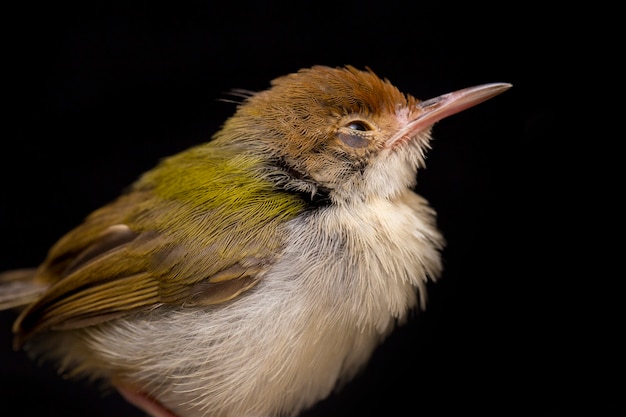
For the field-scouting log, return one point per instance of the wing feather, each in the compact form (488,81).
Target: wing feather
(199,244)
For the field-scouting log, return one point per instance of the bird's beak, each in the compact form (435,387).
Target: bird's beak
(431,111)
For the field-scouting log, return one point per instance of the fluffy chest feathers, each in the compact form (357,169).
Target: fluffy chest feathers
(370,260)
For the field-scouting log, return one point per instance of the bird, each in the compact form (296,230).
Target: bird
(256,273)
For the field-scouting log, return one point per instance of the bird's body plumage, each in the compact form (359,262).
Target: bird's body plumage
(250,275)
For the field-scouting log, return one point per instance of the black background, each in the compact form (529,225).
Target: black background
(96,94)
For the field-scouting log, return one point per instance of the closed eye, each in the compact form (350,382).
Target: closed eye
(359,125)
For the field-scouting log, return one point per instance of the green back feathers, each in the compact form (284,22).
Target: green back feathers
(219,187)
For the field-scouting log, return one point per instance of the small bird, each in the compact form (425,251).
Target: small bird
(251,275)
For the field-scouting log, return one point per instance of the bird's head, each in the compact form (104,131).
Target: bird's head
(341,132)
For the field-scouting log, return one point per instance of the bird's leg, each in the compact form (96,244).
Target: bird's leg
(143,402)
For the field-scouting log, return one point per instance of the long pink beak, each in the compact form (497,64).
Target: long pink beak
(433,110)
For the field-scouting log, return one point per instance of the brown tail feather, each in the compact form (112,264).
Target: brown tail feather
(18,287)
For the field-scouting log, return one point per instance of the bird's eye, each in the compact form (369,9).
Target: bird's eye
(358,125)
(354,134)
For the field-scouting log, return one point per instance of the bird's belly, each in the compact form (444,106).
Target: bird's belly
(270,351)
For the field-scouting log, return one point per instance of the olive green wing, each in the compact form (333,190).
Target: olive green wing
(130,256)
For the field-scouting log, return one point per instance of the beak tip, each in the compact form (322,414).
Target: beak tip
(496,88)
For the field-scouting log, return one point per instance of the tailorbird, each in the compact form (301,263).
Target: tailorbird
(253,274)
